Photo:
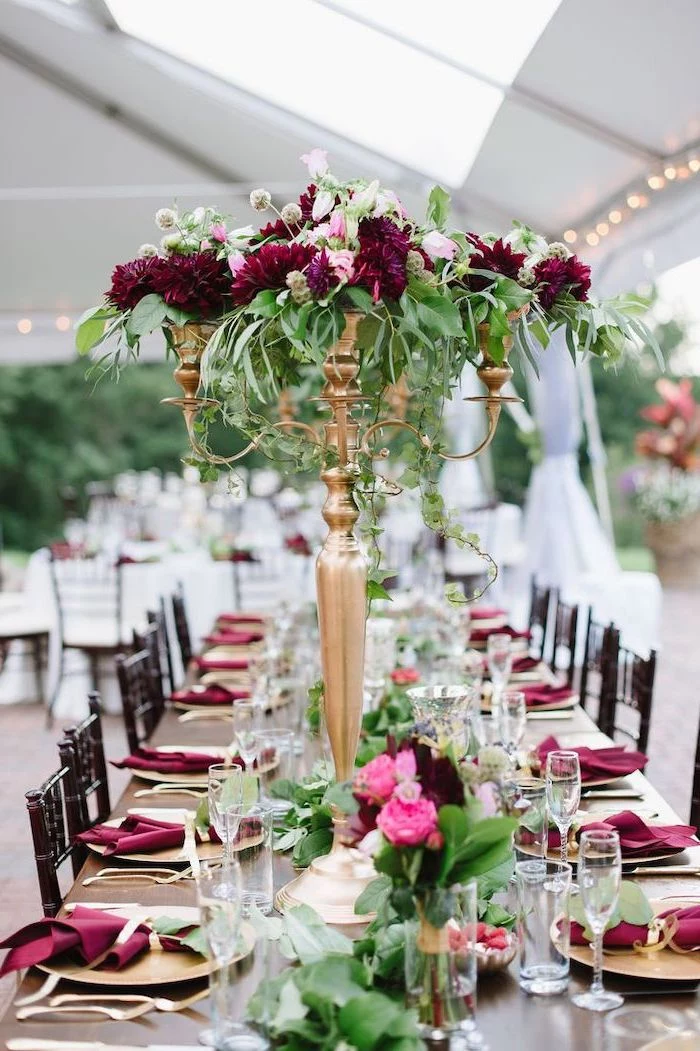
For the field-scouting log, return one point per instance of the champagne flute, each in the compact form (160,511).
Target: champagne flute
(246,721)
(512,719)
(499,656)
(225,798)
(599,878)
(563,778)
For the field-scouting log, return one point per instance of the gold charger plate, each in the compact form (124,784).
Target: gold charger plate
(150,968)
(674,1042)
(278,701)
(665,965)
(640,859)
(200,778)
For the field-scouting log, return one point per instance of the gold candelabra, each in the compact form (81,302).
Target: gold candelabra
(332,883)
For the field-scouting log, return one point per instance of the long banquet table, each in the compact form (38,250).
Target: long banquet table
(507,1017)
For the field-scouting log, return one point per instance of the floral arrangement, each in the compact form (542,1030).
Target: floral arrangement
(666,494)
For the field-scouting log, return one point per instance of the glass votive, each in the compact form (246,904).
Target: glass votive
(253,852)
(543,925)
(525,799)
(275,763)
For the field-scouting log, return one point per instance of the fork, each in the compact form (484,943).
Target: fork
(159,790)
(118,1014)
(152,875)
(161,1003)
(188,717)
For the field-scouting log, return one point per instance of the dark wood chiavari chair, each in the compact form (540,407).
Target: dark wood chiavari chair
(55,818)
(695,801)
(84,747)
(159,618)
(564,640)
(148,640)
(182,628)
(633,693)
(141,710)
(599,667)
(538,621)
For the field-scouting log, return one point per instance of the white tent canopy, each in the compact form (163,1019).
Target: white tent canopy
(547,111)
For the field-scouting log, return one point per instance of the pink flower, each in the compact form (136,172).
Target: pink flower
(486,794)
(438,246)
(218,232)
(407,790)
(404,676)
(407,824)
(204,245)
(405,764)
(337,224)
(342,262)
(435,841)
(316,161)
(314,235)
(323,202)
(236,261)
(387,201)
(376,781)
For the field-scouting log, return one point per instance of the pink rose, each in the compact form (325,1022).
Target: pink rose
(407,824)
(404,676)
(405,764)
(438,246)
(337,224)
(218,232)
(377,780)
(236,261)
(342,262)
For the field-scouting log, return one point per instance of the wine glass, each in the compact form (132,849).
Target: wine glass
(563,778)
(246,721)
(225,798)
(220,916)
(599,878)
(499,656)
(512,716)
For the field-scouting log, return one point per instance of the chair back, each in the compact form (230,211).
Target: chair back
(563,652)
(141,710)
(634,693)
(538,622)
(54,819)
(159,618)
(182,628)
(148,640)
(83,746)
(599,668)
(86,590)
(695,802)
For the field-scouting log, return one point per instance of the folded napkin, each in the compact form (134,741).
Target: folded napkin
(138,835)
(487,612)
(230,637)
(211,694)
(89,932)
(598,762)
(639,839)
(222,663)
(238,618)
(687,935)
(624,935)
(543,694)
(525,664)
(482,634)
(170,762)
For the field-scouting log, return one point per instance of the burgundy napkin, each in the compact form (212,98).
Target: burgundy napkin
(688,934)
(170,762)
(222,663)
(542,695)
(229,637)
(622,936)
(482,634)
(487,612)
(599,762)
(211,694)
(238,618)
(89,932)
(638,838)
(525,664)
(139,835)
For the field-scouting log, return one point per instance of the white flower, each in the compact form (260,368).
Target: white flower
(323,202)
(526,276)
(166,218)
(387,201)
(260,200)
(198,215)
(558,250)
(171,242)
(365,200)
(291,213)
(493,761)
(146,251)
(438,246)
(316,161)
(523,239)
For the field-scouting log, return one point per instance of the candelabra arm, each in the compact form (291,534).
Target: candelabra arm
(493,411)
(379,426)
(298,425)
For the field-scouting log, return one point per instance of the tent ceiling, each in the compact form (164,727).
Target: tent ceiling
(103,128)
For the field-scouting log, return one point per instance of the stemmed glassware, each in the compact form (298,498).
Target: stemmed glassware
(225,799)
(499,656)
(563,779)
(380,656)
(599,878)
(512,717)
(247,718)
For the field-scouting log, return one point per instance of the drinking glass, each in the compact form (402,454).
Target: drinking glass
(543,901)
(275,746)
(247,717)
(525,800)
(225,798)
(446,708)
(499,657)
(219,900)
(512,720)
(599,878)
(563,777)
(253,846)
(380,655)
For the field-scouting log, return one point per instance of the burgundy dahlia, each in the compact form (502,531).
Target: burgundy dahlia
(280,230)
(131,282)
(320,276)
(196,283)
(579,275)
(380,264)
(306,202)
(499,258)
(554,276)
(268,268)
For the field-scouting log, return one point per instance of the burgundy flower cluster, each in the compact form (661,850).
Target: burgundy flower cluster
(381,261)
(268,268)
(197,283)
(554,276)
(498,258)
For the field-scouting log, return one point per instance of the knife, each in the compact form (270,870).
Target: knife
(556,714)
(28,1043)
(612,793)
(662,870)
(190,845)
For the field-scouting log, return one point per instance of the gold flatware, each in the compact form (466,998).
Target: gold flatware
(46,988)
(207,716)
(31,1043)
(558,714)
(117,1014)
(153,875)
(663,870)
(162,789)
(160,1003)
(190,846)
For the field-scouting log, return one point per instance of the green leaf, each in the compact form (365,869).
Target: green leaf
(439,906)
(340,795)
(265,304)
(440,313)
(168,924)
(312,846)
(311,938)
(438,207)
(89,332)
(360,298)
(633,904)
(497,916)
(374,896)
(290,1006)
(365,1019)
(196,941)
(178,316)
(147,315)
(376,590)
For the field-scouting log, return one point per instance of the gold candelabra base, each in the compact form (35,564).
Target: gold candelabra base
(331,885)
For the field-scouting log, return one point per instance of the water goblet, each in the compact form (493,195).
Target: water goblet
(446,708)
(225,799)
(563,779)
(512,717)
(499,656)
(599,878)
(247,717)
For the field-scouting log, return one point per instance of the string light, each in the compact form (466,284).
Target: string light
(670,172)
(592,238)
(656,182)
(634,200)
(570,236)
(62,323)
(683,172)
(615,216)
(694,164)
(603,229)
(24,326)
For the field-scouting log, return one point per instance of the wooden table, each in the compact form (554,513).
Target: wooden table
(508,1018)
